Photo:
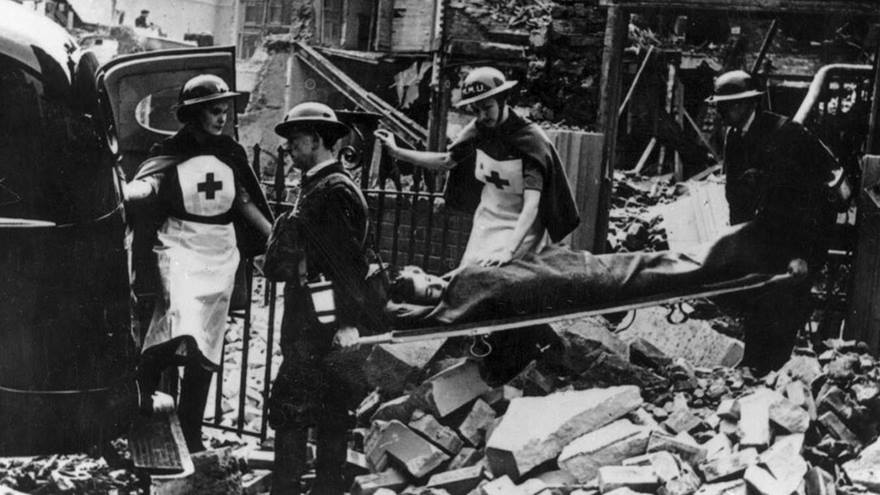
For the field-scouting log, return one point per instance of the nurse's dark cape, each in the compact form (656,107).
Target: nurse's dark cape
(557,208)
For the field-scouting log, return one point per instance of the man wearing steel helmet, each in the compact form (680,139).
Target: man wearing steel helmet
(777,181)
(506,170)
(323,236)
(195,209)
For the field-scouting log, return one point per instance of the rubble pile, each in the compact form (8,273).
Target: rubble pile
(634,223)
(75,473)
(597,414)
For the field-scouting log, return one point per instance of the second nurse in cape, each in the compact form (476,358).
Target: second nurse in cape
(506,170)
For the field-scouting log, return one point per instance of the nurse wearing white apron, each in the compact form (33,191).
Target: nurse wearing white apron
(194,185)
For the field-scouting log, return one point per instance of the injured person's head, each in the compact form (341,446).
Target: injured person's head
(412,285)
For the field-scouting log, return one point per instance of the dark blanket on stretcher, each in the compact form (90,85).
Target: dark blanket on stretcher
(559,278)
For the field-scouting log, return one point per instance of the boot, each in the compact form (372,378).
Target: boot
(193,399)
(332,447)
(290,460)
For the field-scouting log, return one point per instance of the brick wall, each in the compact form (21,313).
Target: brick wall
(422,232)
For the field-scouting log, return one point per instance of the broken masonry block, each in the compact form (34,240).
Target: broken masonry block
(369,484)
(441,436)
(533,486)
(837,429)
(783,460)
(501,486)
(642,417)
(357,460)
(400,409)
(865,469)
(644,353)
(476,423)
(532,382)
(754,420)
(535,429)
(819,482)
(604,446)
(834,399)
(760,482)
(374,448)
(799,394)
(718,446)
(466,457)
(694,340)
(686,483)
(728,409)
(689,452)
(368,406)
(216,473)
(624,490)
(458,481)
(452,388)
(391,366)
(665,465)
(638,478)
(731,466)
(499,398)
(804,369)
(417,456)
(734,487)
(607,370)
(728,428)
(682,421)
(788,416)
(583,337)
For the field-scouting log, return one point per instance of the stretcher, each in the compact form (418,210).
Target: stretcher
(676,297)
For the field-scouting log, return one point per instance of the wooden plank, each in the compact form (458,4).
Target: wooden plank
(609,101)
(581,155)
(863,320)
(864,7)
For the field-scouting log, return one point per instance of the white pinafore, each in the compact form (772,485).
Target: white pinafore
(197,260)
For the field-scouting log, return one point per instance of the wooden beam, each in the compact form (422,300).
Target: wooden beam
(609,102)
(862,7)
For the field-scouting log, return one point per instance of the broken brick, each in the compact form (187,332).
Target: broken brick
(682,420)
(837,429)
(476,423)
(754,421)
(532,382)
(399,409)
(607,445)
(783,460)
(391,366)
(368,484)
(728,409)
(789,416)
(466,457)
(416,455)
(688,451)
(458,481)
(452,388)
(638,478)
(735,487)
(686,483)
(501,486)
(718,446)
(520,443)
(665,465)
(585,336)
(723,468)
(819,482)
(865,469)
(761,482)
(441,436)
(499,398)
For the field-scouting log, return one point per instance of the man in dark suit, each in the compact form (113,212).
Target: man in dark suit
(778,176)
(322,239)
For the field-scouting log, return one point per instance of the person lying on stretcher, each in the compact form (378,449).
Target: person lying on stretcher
(559,278)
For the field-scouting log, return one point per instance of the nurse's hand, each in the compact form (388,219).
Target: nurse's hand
(346,338)
(497,259)
(386,138)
